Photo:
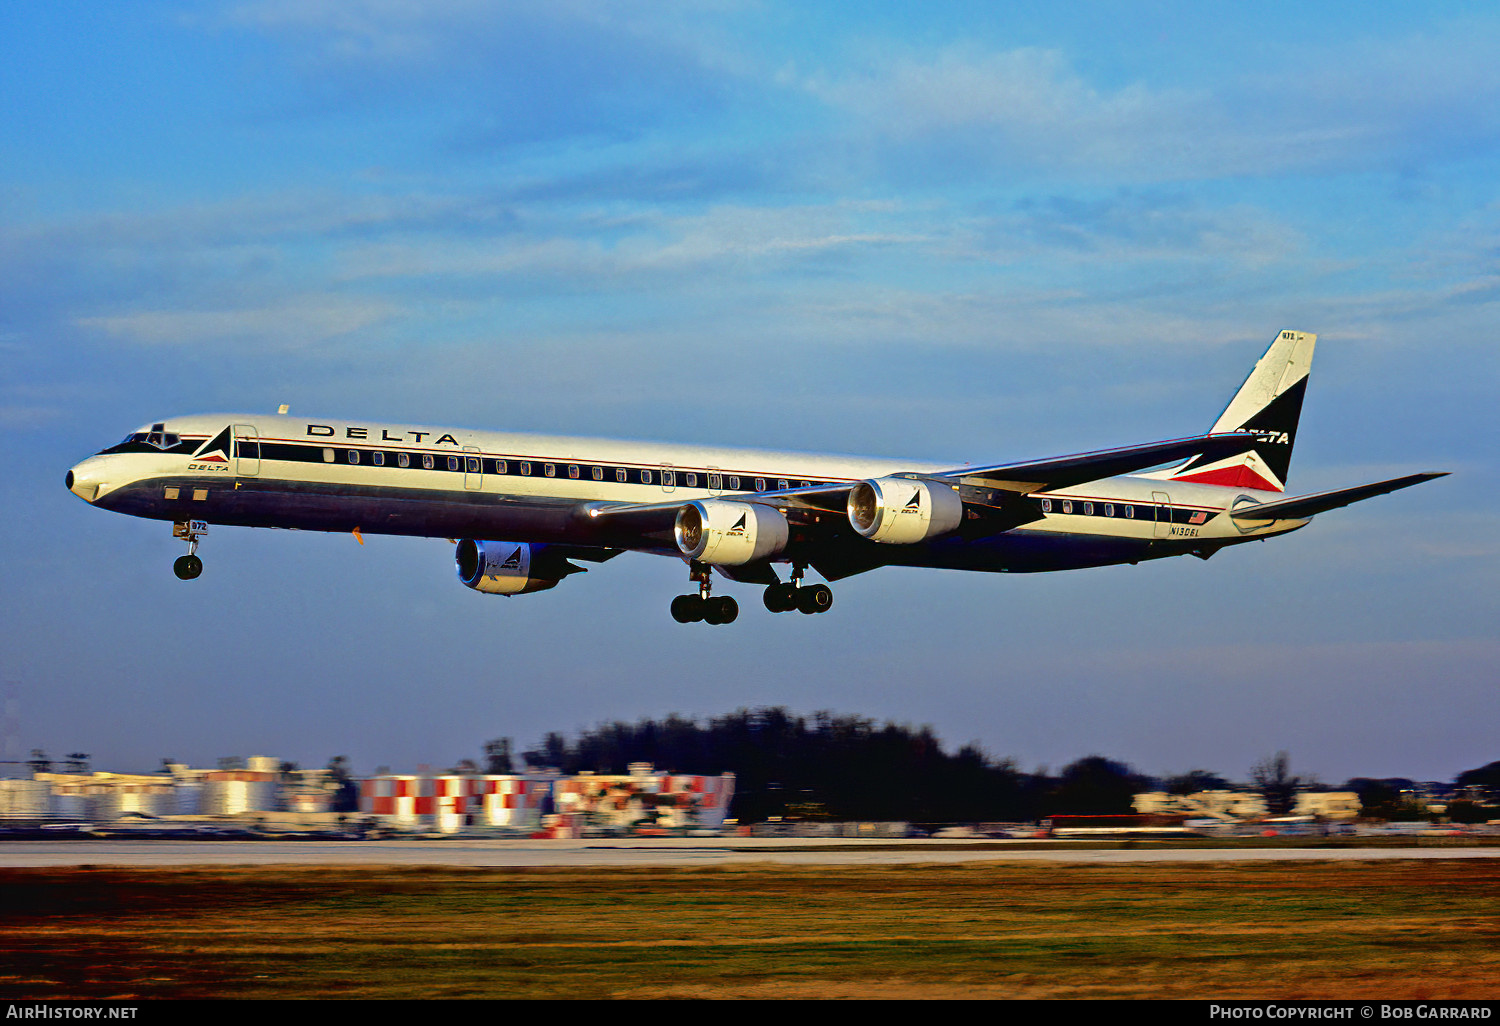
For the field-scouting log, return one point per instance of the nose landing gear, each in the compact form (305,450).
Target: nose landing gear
(190,566)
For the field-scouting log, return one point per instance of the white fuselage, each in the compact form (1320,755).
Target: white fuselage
(324,474)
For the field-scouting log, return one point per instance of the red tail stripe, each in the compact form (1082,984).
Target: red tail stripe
(1233,477)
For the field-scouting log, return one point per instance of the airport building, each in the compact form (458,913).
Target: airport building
(265,794)
(642,800)
(450,803)
(1230,807)
(259,784)
(1224,806)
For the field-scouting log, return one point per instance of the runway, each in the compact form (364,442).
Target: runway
(657,852)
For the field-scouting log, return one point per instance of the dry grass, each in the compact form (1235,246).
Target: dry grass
(1393,930)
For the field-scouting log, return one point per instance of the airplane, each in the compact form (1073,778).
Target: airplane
(741,512)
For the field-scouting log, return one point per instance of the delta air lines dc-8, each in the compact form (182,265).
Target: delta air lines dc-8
(554,500)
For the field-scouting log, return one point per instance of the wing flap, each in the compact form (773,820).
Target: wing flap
(1304,506)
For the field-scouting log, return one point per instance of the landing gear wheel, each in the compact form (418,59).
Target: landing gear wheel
(816,599)
(720,610)
(187,567)
(687,609)
(781,598)
(702,606)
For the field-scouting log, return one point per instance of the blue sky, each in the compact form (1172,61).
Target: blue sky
(960,232)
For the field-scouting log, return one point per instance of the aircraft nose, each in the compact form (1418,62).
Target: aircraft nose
(84,480)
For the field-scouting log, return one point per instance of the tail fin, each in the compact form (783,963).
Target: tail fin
(1268,403)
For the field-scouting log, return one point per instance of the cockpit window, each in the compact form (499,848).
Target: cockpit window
(144,441)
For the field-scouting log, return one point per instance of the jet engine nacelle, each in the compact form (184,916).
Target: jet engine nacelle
(898,511)
(509,568)
(730,533)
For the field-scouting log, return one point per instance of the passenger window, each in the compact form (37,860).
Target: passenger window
(667,479)
(1129,512)
(734,484)
(645,477)
(620,476)
(1088,509)
(549,470)
(598,473)
(403,460)
(1046,505)
(1067,506)
(452,462)
(781,485)
(353,455)
(572,472)
(1109,509)
(692,480)
(378,459)
(327,455)
(714,482)
(471,465)
(501,467)
(427,461)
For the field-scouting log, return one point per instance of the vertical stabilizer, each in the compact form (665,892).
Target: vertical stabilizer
(1268,403)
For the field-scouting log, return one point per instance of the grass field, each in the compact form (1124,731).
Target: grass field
(1393,930)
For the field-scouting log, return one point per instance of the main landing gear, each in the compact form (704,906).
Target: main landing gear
(692,608)
(190,566)
(779,598)
(783,598)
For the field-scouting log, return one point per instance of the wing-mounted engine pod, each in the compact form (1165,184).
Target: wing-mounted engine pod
(898,511)
(730,533)
(507,568)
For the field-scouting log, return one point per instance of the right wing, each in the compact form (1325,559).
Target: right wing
(990,492)
(1063,471)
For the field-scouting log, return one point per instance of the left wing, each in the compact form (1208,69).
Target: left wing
(1304,506)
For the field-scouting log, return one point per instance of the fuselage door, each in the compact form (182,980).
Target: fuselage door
(1162,502)
(246,450)
(473,469)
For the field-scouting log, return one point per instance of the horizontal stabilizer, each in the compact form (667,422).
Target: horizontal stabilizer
(1310,505)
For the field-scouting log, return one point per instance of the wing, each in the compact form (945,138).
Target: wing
(989,492)
(1304,506)
(1063,471)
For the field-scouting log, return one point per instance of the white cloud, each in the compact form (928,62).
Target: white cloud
(1392,104)
(301,322)
(599,246)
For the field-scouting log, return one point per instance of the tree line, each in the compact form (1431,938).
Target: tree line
(843,767)
(848,767)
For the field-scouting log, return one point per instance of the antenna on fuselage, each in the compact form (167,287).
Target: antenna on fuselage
(281,410)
